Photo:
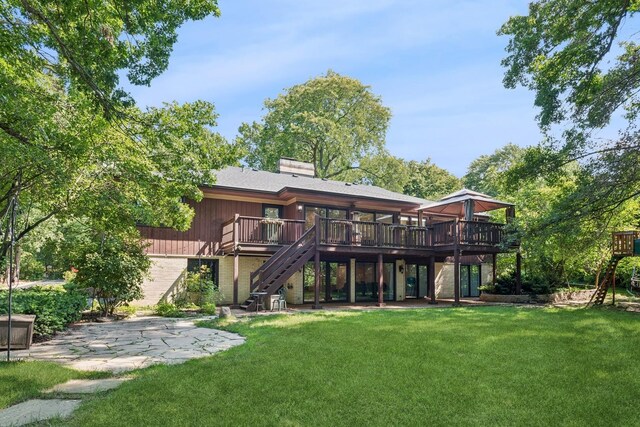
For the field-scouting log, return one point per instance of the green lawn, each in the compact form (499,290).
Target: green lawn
(481,366)
(24,380)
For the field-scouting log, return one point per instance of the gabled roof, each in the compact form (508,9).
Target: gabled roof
(239,178)
(453,203)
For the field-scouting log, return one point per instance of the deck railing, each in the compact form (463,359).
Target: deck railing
(481,233)
(262,231)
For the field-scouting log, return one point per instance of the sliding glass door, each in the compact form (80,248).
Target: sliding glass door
(470,280)
(334,281)
(417,281)
(367,281)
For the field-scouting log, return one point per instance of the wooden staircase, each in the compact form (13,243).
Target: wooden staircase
(273,274)
(601,291)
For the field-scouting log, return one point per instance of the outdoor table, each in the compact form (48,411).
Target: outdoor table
(259,296)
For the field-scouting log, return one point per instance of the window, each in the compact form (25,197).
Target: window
(211,265)
(272,211)
(310,213)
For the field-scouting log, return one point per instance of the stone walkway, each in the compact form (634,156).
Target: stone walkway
(37,410)
(130,344)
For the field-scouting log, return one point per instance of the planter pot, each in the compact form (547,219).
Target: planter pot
(21,331)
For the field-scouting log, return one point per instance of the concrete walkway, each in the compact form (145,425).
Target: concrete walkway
(130,344)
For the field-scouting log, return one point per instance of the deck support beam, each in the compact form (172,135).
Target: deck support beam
(380,281)
(494,266)
(518,273)
(316,287)
(236,275)
(431,272)
(456,277)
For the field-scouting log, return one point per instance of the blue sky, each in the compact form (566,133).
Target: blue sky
(436,64)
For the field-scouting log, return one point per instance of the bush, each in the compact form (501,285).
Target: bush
(209,308)
(114,267)
(30,267)
(166,309)
(54,307)
(506,285)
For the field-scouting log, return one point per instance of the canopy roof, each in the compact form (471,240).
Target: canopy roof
(453,204)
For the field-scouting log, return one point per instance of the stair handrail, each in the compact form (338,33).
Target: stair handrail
(254,274)
(272,276)
(278,256)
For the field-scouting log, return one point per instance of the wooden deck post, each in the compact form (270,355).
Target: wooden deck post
(518,273)
(380,281)
(236,262)
(432,279)
(494,262)
(316,287)
(456,277)
(456,264)
(613,282)
(236,274)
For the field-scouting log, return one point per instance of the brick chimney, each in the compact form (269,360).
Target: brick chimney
(295,167)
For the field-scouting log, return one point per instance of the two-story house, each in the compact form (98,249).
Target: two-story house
(328,241)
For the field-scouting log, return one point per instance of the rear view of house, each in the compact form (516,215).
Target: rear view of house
(324,241)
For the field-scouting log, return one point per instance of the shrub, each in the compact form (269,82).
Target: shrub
(54,307)
(209,308)
(114,267)
(506,285)
(166,309)
(30,267)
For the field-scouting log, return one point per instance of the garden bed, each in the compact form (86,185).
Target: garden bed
(555,298)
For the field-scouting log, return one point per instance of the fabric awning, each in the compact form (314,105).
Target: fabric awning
(454,203)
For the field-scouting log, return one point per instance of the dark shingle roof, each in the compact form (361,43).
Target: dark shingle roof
(269,182)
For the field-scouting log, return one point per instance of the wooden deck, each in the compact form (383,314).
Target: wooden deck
(254,234)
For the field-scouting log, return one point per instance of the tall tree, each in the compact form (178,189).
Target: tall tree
(429,181)
(584,69)
(71,140)
(555,250)
(485,174)
(332,121)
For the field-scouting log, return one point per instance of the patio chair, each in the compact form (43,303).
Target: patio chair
(281,302)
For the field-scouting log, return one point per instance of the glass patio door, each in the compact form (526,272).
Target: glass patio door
(470,280)
(334,281)
(417,281)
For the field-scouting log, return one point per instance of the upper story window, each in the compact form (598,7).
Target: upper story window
(272,211)
(310,213)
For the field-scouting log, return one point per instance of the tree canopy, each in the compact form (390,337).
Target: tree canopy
(583,66)
(429,181)
(332,121)
(72,141)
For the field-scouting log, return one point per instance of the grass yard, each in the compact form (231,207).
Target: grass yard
(472,366)
(25,380)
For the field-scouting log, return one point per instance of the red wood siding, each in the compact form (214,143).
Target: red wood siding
(291,212)
(203,238)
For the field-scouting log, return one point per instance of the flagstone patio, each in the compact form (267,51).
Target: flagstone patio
(130,344)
